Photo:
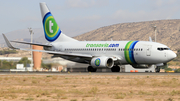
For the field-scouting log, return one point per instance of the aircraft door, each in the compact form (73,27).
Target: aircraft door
(148,51)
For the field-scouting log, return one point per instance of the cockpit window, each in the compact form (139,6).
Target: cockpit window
(161,49)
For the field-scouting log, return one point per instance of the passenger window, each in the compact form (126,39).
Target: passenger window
(160,49)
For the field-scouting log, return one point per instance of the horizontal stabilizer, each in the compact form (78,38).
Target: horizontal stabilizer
(32,43)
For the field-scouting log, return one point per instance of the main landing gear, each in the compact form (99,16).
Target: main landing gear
(157,69)
(91,69)
(115,69)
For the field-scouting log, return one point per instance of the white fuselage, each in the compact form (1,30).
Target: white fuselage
(98,54)
(143,52)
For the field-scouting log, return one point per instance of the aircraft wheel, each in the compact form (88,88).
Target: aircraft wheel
(157,69)
(91,69)
(115,69)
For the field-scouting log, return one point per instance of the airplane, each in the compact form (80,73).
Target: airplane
(99,54)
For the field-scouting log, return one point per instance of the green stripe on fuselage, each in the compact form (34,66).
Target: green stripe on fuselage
(126,52)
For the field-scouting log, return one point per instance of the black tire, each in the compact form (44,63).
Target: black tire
(157,69)
(91,69)
(115,69)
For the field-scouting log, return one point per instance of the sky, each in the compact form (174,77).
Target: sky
(76,17)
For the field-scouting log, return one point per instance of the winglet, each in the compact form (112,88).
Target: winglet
(8,43)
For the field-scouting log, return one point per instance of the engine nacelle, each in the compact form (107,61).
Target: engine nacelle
(102,62)
(162,65)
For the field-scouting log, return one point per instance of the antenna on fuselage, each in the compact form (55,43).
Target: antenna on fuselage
(155,30)
(150,39)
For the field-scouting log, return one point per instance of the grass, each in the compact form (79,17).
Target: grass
(34,81)
(73,100)
(120,96)
(141,92)
(45,93)
(151,99)
(140,82)
(93,90)
(169,99)
(75,91)
(48,76)
(44,100)
(64,97)
(118,78)
(89,87)
(29,98)
(174,92)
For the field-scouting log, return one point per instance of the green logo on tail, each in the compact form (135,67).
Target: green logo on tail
(51,29)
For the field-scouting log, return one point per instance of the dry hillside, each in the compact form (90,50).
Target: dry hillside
(168,32)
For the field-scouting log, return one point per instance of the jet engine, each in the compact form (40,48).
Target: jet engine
(102,62)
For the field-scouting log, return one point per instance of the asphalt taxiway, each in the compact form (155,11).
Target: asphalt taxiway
(83,73)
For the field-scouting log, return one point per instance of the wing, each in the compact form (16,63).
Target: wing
(76,57)
(50,52)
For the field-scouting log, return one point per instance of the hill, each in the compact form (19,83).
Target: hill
(168,32)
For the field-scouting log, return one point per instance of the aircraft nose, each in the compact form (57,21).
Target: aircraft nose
(171,55)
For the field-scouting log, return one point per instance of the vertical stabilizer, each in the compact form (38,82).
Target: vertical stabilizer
(52,31)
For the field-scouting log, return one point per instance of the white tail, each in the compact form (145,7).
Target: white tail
(51,29)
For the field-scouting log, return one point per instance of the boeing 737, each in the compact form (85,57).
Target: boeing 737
(98,54)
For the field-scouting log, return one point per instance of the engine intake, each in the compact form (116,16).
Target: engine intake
(102,62)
